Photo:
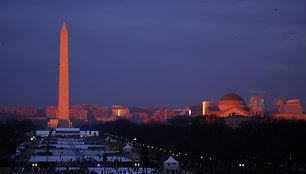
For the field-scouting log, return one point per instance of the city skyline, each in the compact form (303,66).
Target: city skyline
(143,59)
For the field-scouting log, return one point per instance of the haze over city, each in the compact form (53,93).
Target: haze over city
(156,53)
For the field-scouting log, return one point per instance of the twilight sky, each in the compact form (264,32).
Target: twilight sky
(152,52)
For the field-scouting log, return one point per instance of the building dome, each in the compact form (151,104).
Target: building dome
(230,100)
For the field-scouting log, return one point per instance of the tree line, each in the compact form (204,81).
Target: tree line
(262,143)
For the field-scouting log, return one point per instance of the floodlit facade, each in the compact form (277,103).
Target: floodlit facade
(289,109)
(78,112)
(204,107)
(62,119)
(293,107)
(229,105)
(120,111)
(279,105)
(257,106)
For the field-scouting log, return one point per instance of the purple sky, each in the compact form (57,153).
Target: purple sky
(152,52)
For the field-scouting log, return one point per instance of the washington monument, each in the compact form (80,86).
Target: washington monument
(63,85)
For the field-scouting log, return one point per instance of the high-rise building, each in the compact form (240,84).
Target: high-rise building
(63,89)
(257,106)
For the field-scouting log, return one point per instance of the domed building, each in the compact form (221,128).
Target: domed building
(229,101)
(229,105)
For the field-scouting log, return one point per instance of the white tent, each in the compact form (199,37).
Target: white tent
(171,166)
(109,139)
(127,148)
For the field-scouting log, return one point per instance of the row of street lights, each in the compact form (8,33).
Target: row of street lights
(157,148)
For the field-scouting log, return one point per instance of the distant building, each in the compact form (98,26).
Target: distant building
(27,111)
(194,110)
(178,112)
(78,112)
(9,110)
(293,107)
(120,111)
(162,114)
(205,105)
(138,117)
(257,106)
(279,105)
(283,106)
(51,112)
(229,105)
(289,109)
(100,113)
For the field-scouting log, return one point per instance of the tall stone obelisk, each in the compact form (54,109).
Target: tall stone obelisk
(63,87)
(62,119)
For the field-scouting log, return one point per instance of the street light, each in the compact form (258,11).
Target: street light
(137,166)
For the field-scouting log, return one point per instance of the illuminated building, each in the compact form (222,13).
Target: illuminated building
(204,107)
(178,112)
(78,112)
(279,105)
(27,111)
(120,111)
(257,106)
(283,106)
(100,113)
(194,110)
(293,107)
(289,109)
(229,105)
(138,117)
(162,114)
(51,112)
(62,119)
